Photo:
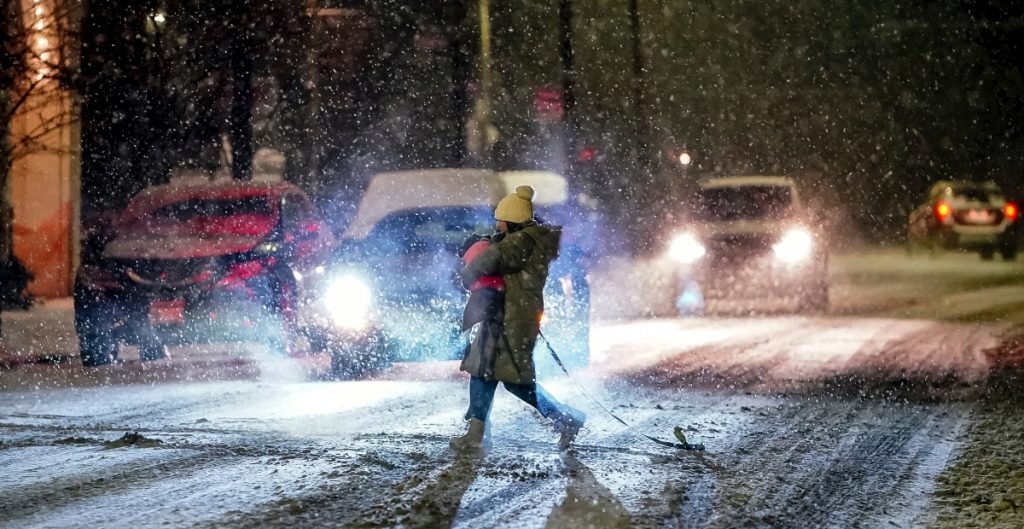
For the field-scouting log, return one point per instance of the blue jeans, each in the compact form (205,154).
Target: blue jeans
(481,396)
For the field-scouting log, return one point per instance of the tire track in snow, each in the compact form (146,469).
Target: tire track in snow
(824,464)
(933,361)
(795,354)
(72,497)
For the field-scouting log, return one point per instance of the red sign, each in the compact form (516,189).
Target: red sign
(548,103)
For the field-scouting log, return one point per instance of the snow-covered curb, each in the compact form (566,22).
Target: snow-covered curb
(45,331)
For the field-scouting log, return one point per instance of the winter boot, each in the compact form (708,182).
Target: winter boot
(568,423)
(477,438)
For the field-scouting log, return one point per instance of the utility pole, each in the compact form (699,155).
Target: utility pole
(642,127)
(454,14)
(484,106)
(241,95)
(643,156)
(568,84)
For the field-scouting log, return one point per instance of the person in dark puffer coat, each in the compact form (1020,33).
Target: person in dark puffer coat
(502,349)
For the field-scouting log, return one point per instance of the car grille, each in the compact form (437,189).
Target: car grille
(172,272)
(740,244)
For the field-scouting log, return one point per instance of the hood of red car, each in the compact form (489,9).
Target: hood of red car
(153,246)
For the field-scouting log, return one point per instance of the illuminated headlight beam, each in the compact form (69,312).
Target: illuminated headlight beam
(348,300)
(796,245)
(686,248)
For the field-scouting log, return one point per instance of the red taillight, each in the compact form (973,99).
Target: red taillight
(943,211)
(240,272)
(1010,211)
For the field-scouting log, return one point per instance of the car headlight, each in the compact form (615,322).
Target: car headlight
(795,245)
(348,300)
(686,248)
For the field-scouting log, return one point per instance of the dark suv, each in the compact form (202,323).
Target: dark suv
(972,216)
(200,261)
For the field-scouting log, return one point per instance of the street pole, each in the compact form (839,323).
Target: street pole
(486,78)
(568,84)
(642,154)
(454,15)
(240,120)
(639,89)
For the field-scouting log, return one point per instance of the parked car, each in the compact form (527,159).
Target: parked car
(395,292)
(201,261)
(973,216)
(749,236)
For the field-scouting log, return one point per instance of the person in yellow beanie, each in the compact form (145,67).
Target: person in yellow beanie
(502,350)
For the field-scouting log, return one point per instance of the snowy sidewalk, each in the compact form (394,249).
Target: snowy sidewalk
(45,331)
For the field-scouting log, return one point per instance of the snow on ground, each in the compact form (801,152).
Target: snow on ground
(46,330)
(898,408)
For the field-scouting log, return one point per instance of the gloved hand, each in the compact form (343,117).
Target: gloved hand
(473,239)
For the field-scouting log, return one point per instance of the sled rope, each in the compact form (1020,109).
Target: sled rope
(678,431)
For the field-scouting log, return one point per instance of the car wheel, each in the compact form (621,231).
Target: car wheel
(918,247)
(282,313)
(350,361)
(343,365)
(914,244)
(936,244)
(1008,249)
(318,340)
(152,349)
(96,349)
(97,342)
(814,300)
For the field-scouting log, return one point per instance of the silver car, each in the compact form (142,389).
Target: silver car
(749,236)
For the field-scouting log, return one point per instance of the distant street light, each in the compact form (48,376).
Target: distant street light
(674,184)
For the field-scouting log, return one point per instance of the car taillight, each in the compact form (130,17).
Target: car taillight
(1010,211)
(943,211)
(238,273)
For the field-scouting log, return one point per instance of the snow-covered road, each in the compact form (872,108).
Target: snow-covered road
(894,410)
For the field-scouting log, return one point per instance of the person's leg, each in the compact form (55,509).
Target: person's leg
(534,395)
(481,397)
(546,404)
(568,420)
(477,437)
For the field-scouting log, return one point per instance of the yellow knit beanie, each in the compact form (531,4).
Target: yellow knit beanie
(516,207)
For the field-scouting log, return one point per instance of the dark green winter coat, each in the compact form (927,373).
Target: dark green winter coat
(503,350)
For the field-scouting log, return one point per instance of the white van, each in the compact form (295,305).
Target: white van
(406,190)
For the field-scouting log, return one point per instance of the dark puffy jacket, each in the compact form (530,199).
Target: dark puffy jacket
(503,349)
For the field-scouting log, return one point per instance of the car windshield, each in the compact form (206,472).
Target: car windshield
(246,215)
(741,203)
(432,229)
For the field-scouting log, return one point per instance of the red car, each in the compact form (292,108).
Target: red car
(192,262)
